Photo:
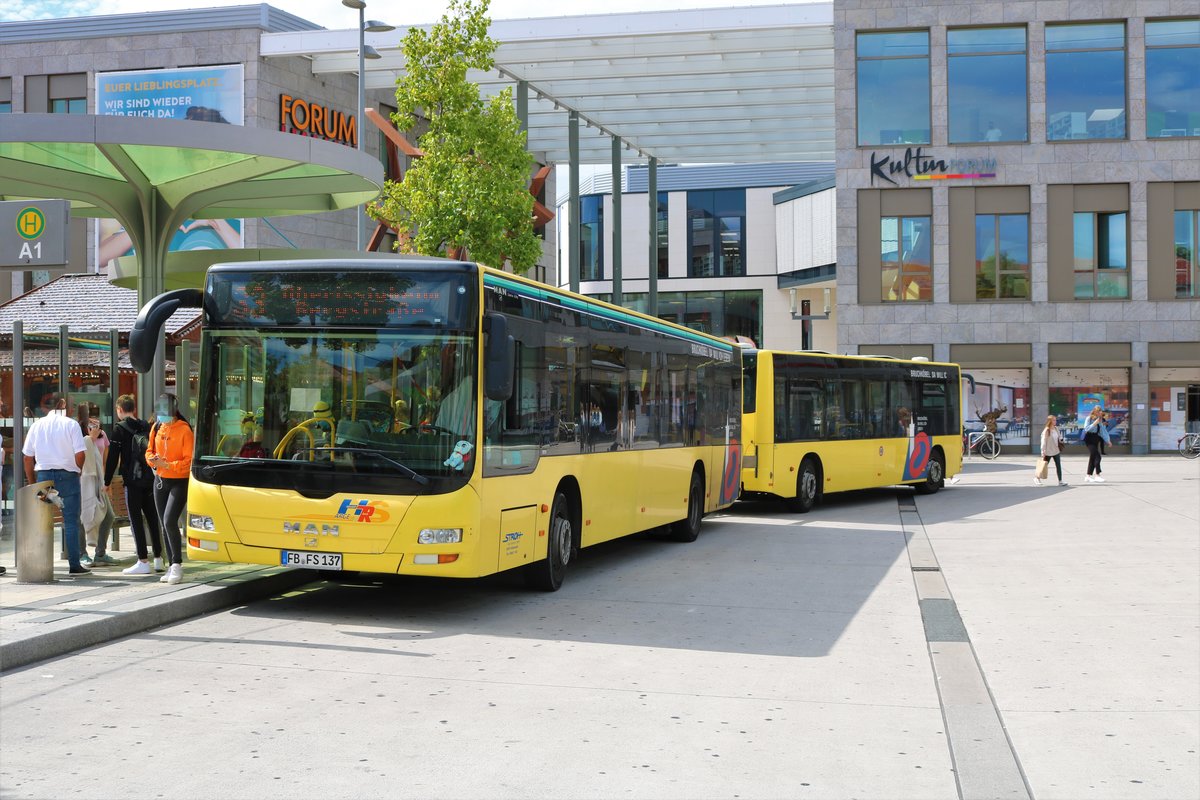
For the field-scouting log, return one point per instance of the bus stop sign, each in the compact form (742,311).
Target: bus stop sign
(33,233)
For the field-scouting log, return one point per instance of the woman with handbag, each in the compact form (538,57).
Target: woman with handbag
(1094,432)
(1052,442)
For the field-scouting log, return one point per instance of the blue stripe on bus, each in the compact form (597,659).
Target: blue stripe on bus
(600,311)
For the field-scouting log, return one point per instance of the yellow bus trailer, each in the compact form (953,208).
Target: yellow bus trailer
(815,423)
(431,417)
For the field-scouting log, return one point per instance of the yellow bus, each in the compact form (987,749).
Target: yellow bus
(815,423)
(431,417)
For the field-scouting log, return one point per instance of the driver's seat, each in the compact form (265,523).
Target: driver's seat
(352,431)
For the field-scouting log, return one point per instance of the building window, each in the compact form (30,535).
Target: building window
(1001,256)
(717,233)
(1172,78)
(660,228)
(1187,260)
(1074,392)
(904,255)
(987,85)
(5,95)
(893,88)
(68,105)
(1085,81)
(732,313)
(591,239)
(1101,255)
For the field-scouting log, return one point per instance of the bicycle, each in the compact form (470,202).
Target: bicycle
(1189,445)
(982,442)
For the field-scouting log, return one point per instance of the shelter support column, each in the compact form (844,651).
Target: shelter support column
(616,221)
(573,212)
(652,264)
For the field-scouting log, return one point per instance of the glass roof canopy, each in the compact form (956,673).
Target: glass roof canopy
(742,85)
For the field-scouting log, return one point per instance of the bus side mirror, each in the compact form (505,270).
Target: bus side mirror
(499,355)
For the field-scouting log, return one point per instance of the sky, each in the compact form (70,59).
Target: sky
(332,14)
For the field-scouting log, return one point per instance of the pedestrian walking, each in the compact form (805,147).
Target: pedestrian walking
(1094,433)
(170,456)
(54,450)
(96,515)
(1052,444)
(130,437)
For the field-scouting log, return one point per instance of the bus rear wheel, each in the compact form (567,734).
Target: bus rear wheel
(936,475)
(807,483)
(688,528)
(548,573)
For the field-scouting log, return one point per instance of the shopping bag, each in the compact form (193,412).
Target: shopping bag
(1042,466)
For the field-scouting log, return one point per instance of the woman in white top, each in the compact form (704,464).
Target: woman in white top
(1052,448)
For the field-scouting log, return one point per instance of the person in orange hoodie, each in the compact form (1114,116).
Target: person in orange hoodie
(170,456)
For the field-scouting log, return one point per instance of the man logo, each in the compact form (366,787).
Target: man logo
(310,529)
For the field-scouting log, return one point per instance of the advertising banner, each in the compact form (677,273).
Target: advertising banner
(204,94)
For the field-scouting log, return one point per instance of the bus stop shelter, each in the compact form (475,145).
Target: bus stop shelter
(154,174)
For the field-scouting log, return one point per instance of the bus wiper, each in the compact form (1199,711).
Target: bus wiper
(208,470)
(366,451)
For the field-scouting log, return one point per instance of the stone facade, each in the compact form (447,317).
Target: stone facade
(1038,164)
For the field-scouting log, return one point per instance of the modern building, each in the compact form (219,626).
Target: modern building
(736,247)
(1019,191)
(204,64)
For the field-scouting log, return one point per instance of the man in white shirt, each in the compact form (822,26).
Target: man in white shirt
(54,450)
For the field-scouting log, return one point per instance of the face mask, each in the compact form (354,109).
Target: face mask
(165,418)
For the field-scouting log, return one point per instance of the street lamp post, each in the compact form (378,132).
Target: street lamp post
(365,51)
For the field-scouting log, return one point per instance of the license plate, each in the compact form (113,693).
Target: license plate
(293,558)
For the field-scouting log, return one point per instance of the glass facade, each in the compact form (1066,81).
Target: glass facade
(1074,392)
(660,231)
(1101,255)
(905,257)
(1172,78)
(1187,260)
(1005,391)
(591,239)
(1174,392)
(988,86)
(1001,256)
(893,88)
(717,233)
(732,313)
(1085,81)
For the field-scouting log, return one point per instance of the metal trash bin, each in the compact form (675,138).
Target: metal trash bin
(35,535)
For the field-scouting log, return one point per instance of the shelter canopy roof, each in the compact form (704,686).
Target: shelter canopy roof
(750,84)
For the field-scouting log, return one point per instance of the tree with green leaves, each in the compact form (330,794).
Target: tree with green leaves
(469,193)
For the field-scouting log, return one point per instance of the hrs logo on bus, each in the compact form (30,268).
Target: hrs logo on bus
(356,510)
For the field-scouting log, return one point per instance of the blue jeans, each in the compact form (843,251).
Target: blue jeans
(67,484)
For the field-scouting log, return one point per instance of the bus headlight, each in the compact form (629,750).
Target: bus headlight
(201,522)
(440,536)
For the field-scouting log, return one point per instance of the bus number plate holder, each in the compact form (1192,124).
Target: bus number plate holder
(308,560)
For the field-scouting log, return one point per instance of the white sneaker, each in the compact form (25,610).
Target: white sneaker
(1062,483)
(139,568)
(174,574)
(1098,479)
(1037,481)
(1088,479)
(158,564)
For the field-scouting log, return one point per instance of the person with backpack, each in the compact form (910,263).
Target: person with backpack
(169,454)
(130,438)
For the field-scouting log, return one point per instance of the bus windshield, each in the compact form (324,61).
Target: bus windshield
(348,411)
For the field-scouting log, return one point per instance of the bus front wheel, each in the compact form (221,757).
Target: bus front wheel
(935,476)
(807,483)
(688,528)
(548,573)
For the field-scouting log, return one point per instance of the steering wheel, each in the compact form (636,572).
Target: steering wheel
(427,427)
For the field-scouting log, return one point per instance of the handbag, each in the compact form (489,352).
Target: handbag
(1043,467)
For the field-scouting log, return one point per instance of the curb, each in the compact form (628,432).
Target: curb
(142,615)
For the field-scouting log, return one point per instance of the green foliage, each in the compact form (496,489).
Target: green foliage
(471,189)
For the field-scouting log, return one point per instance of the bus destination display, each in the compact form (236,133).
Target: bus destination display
(340,299)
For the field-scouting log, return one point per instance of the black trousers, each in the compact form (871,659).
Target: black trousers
(143,519)
(1092,441)
(170,497)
